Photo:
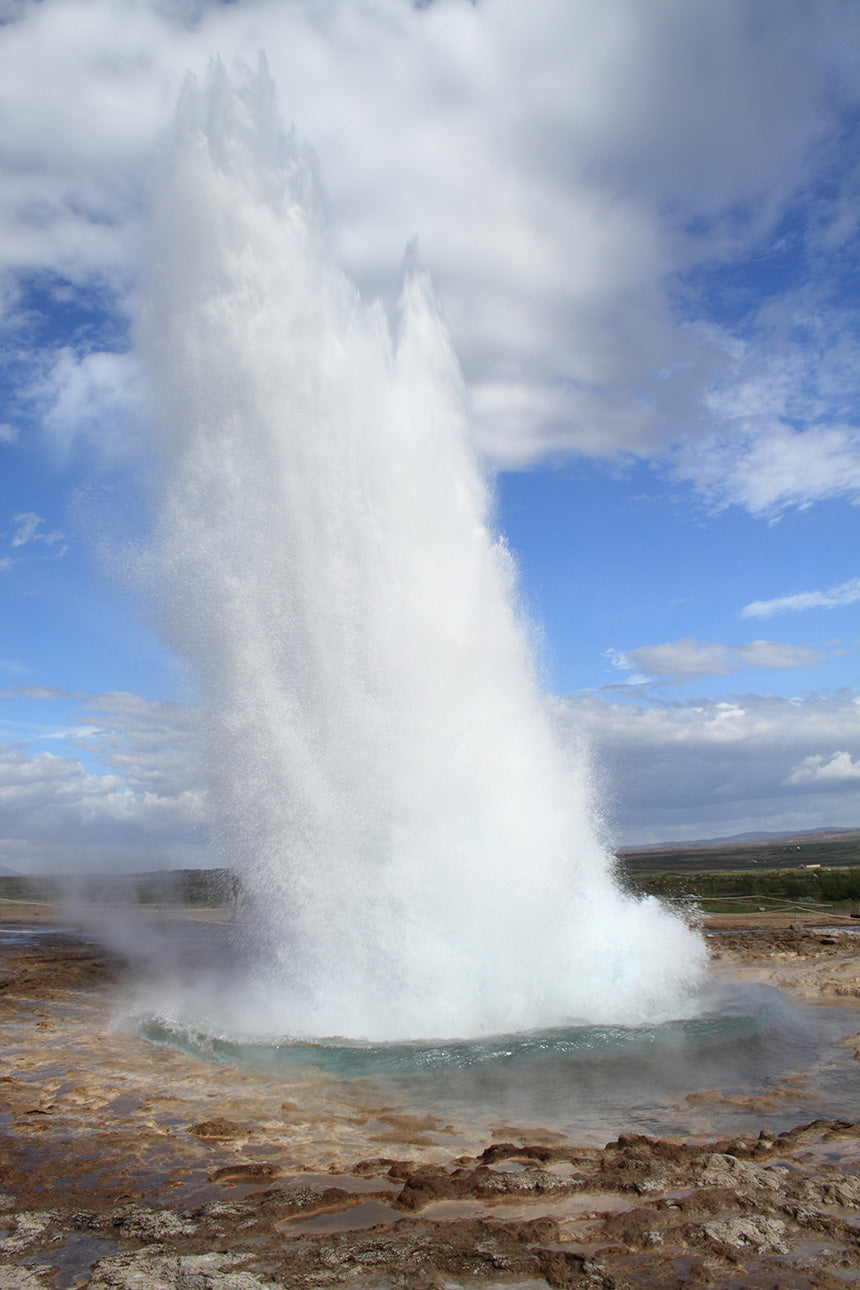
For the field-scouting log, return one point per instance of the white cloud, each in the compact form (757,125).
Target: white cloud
(28,532)
(27,529)
(708,769)
(152,744)
(95,398)
(33,692)
(687,659)
(565,165)
(844,593)
(8,434)
(623,663)
(54,800)
(670,770)
(682,659)
(146,809)
(776,655)
(766,466)
(840,768)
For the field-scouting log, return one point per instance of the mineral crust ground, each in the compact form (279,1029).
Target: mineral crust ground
(127,1166)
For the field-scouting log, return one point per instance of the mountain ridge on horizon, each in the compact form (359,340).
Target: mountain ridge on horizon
(728,839)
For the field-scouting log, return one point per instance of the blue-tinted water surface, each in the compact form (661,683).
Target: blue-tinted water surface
(749,1046)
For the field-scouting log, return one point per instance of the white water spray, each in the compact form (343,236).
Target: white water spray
(417,847)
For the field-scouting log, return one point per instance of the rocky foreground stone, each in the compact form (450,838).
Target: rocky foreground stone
(128,1167)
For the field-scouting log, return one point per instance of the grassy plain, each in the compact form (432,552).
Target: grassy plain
(808,873)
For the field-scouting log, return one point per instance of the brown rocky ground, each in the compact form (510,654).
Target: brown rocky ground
(797,957)
(124,1166)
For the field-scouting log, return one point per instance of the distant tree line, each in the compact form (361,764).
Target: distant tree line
(210,887)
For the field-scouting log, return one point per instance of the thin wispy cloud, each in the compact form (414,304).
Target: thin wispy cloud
(34,692)
(688,659)
(15,666)
(28,529)
(28,537)
(844,593)
(622,662)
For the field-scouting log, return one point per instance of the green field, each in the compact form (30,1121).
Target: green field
(816,872)
(200,887)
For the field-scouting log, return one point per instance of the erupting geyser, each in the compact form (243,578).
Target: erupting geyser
(416,845)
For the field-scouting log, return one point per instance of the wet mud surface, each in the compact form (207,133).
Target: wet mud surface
(124,1165)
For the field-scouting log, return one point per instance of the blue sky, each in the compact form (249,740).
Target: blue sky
(642,226)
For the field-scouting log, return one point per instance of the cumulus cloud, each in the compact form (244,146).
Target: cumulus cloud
(53,802)
(134,798)
(569,169)
(95,398)
(146,809)
(844,593)
(826,771)
(152,744)
(688,659)
(708,768)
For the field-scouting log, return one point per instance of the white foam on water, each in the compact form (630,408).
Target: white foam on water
(419,851)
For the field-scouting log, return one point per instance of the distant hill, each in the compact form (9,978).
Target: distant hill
(833,848)
(743,837)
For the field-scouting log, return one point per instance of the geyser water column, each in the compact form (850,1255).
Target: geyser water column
(417,848)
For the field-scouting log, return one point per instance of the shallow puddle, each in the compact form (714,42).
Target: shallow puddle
(367,1213)
(75,1258)
(568,1210)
